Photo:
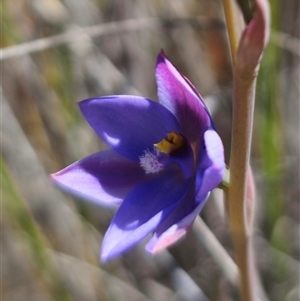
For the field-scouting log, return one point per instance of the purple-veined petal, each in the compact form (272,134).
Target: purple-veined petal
(211,168)
(177,224)
(181,98)
(104,177)
(142,211)
(129,124)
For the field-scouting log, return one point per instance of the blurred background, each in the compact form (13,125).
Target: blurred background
(50,241)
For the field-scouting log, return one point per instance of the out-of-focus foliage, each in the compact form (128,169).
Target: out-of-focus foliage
(50,242)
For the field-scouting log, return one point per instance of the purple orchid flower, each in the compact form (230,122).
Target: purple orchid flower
(163,161)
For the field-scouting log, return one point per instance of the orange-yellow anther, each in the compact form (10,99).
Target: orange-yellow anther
(171,143)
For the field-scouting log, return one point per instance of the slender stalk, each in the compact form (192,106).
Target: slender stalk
(240,194)
(231,27)
(243,105)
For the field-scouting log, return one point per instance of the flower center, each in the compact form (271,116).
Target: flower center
(171,144)
(154,162)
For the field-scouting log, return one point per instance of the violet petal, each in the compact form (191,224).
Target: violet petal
(211,168)
(129,124)
(104,177)
(182,99)
(184,159)
(142,211)
(176,225)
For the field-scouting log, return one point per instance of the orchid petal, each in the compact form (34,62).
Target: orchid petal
(142,211)
(175,226)
(129,124)
(212,166)
(181,98)
(184,158)
(103,178)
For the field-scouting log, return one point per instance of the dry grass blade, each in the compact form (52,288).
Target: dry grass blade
(216,251)
(74,271)
(102,30)
(49,209)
